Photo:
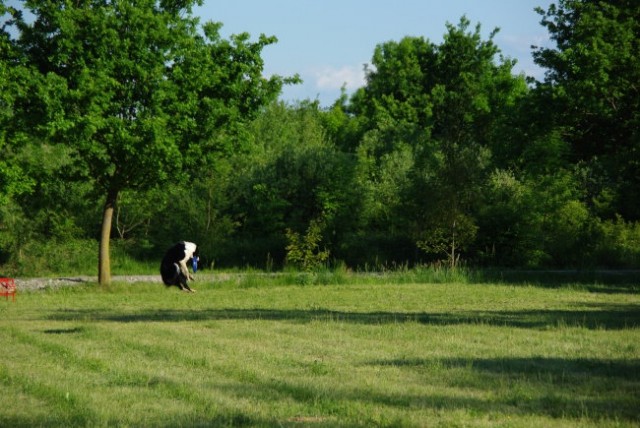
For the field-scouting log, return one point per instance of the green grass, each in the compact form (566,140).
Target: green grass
(252,351)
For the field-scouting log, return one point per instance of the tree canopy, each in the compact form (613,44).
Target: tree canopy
(592,79)
(134,112)
(136,92)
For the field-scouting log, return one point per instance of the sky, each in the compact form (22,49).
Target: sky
(328,42)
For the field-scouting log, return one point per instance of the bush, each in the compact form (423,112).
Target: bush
(617,244)
(74,257)
(304,252)
(567,234)
(51,257)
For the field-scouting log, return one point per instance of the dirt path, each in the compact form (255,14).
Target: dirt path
(29,284)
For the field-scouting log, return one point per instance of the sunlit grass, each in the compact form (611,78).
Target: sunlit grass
(245,351)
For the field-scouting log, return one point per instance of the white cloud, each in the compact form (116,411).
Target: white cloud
(520,44)
(331,78)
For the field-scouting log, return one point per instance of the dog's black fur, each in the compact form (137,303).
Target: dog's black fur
(173,268)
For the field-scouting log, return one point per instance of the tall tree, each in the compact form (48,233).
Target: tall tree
(434,111)
(14,80)
(294,178)
(592,83)
(137,92)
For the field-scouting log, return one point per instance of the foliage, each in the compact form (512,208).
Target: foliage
(617,243)
(450,242)
(592,85)
(14,81)
(135,112)
(137,93)
(304,251)
(291,176)
(433,110)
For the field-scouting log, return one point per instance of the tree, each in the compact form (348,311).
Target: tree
(436,110)
(305,252)
(14,79)
(592,89)
(138,93)
(293,178)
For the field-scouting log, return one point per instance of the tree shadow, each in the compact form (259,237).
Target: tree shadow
(550,387)
(534,367)
(72,330)
(595,281)
(558,387)
(598,316)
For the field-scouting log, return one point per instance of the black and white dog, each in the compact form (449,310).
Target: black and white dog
(174,265)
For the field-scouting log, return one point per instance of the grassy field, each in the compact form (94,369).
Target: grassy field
(370,352)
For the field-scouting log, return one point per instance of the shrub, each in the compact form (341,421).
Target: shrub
(305,252)
(617,244)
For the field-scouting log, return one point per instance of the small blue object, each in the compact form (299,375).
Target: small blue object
(194,264)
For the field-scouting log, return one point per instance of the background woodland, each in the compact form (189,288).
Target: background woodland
(129,125)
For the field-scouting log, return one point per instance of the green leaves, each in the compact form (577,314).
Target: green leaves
(305,251)
(136,92)
(435,108)
(592,76)
(134,87)
(443,154)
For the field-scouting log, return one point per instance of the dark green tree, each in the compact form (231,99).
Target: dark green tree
(15,78)
(434,113)
(138,93)
(292,178)
(593,96)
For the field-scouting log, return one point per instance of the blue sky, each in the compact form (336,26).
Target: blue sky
(327,42)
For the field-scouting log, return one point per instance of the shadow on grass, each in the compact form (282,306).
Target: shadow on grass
(559,370)
(64,330)
(601,316)
(581,389)
(596,281)
(557,387)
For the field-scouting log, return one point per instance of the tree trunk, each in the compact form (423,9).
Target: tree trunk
(104,259)
(453,245)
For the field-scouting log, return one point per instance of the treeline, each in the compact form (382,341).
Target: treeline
(444,156)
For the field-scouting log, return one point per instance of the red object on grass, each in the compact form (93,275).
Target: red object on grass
(8,288)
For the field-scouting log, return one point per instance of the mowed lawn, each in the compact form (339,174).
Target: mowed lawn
(251,354)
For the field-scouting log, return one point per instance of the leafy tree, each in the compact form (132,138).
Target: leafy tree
(292,176)
(14,79)
(305,251)
(592,88)
(617,244)
(138,93)
(446,105)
